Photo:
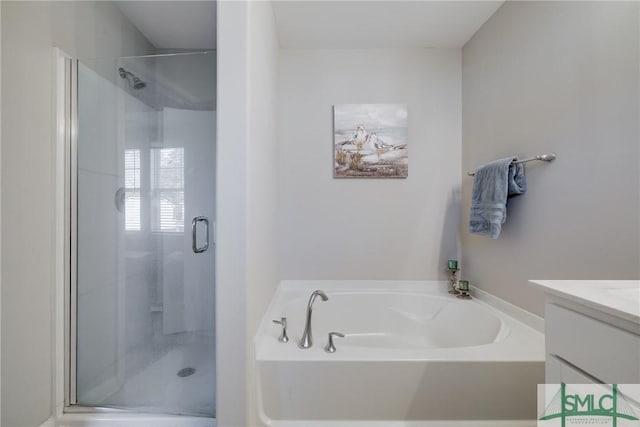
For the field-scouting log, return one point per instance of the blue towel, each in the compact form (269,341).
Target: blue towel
(493,183)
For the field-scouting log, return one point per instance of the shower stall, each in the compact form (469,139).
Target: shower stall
(141,234)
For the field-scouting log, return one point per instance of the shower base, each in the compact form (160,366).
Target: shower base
(130,420)
(159,388)
(153,393)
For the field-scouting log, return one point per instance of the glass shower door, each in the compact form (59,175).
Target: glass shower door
(144,288)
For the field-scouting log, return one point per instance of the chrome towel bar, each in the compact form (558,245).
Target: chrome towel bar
(544,157)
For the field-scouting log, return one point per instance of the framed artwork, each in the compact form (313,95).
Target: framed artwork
(370,141)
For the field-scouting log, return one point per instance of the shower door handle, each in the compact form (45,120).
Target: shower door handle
(194,234)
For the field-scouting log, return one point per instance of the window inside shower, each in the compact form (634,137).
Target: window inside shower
(167,184)
(143,164)
(132,189)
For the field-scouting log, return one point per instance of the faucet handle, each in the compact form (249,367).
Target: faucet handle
(330,348)
(283,336)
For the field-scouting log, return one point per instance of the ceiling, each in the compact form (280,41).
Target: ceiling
(329,24)
(174,24)
(379,24)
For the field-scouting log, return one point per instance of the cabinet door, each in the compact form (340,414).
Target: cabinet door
(558,371)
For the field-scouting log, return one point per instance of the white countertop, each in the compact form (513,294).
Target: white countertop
(620,298)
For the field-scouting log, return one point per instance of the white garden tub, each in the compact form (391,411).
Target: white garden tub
(412,354)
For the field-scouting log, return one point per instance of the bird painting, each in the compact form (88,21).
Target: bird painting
(370,141)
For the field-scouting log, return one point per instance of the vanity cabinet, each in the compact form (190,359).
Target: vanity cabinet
(581,349)
(592,331)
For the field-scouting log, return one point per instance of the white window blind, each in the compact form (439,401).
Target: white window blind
(167,178)
(132,190)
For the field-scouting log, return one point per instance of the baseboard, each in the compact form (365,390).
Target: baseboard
(51,422)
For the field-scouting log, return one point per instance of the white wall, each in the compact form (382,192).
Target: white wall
(246,274)
(29,31)
(262,268)
(231,208)
(262,182)
(563,77)
(368,228)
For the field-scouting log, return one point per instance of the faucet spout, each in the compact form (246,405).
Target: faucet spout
(307,339)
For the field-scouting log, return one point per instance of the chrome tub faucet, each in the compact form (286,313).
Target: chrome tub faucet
(283,336)
(307,339)
(330,347)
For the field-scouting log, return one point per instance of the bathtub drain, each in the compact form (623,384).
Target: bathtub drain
(185,372)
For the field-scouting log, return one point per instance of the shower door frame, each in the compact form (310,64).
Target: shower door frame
(73,232)
(65,136)
(70,150)
(64,325)
(66,220)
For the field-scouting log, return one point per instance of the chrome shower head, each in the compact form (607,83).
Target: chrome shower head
(134,82)
(138,84)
